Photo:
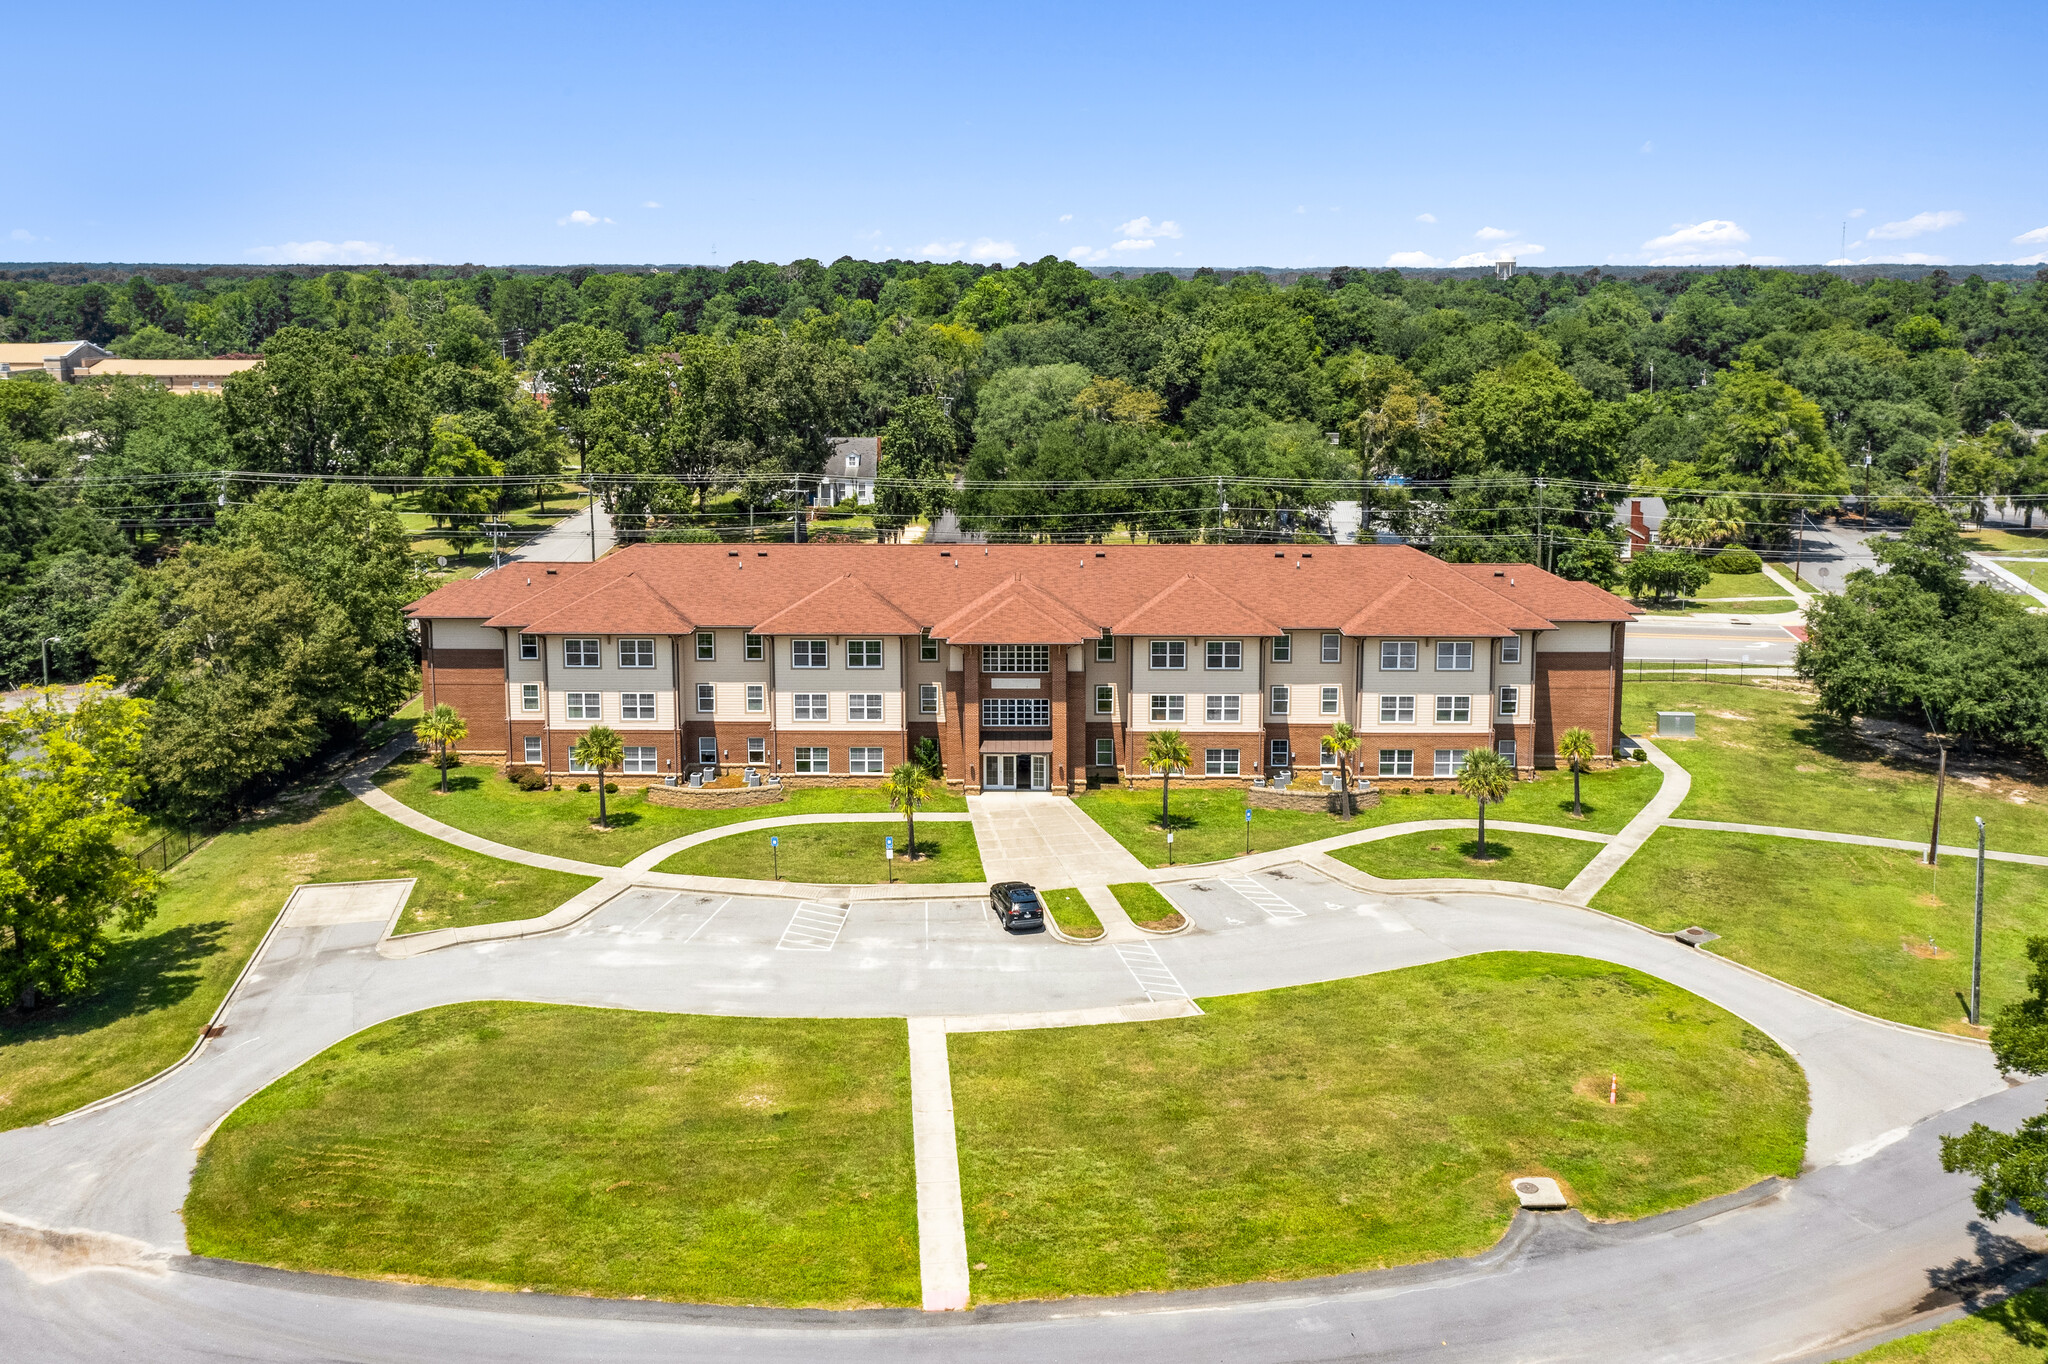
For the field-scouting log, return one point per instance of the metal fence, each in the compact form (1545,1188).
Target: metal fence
(1701,669)
(171,849)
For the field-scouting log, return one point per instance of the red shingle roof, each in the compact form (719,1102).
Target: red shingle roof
(625,605)
(1190,606)
(998,617)
(846,605)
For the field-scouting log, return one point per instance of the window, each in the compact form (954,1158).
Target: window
(1105,699)
(1333,648)
(578,765)
(927,698)
(529,696)
(1280,699)
(1329,700)
(707,646)
(1454,656)
(1397,655)
(1453,710)
(757,698)
(864,762)
(757,749)
(1328,757)
(639,653)
(1220,710)
(1506,749)
(808,653)
(640,758)
(1016,712)
(812,760)
(1397,762)
(1511,650)
(1166,707)
(580,653)
(1510,701)
(927,647)
(1397,710)
(1283,649)
(810,705)
(864,705)
(1277,759)
(1105,648)
(585,705)
(639,705)
(1225,655)
(706,698)
(1169,655)
(1016,658)
(707,748)
(755,651)
(529,646)
(1449,761)
(1105,753)
(533,749)
(1219,762)
(863,653)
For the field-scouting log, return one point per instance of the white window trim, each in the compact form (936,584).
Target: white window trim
(757,698)
(1452,718)
(529,696)
(533,749)
(1279,699)
(1400,648)
(529,646)
(1164,648)
(1331,702)
(1105,698)
(707,646)
(818,649)
(1511,649)
(1401,703)
(1102,758)
(927,698)
(1333,648)
(1222,708)
(863,647)
(707,698)
(756,649)
(1283,649)
(1164,704)
(1221,648)
(1510,702)
(636,641)
(1449,648)
(586,647)
(573,701)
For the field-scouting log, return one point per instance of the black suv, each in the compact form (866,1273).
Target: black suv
(1016,905)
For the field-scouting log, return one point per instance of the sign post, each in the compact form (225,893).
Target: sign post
(1977,944)
(889,856)
(774,856)
(1169,847)
(1247,831)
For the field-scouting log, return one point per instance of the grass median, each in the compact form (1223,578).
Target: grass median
(1146,907)
(582,1151)
(1069,909)
(561,822)
(1861,926)
(837,854)
(1353,1125)
(1533,859)
(163,982)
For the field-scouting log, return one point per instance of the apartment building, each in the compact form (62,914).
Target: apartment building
(1034,667)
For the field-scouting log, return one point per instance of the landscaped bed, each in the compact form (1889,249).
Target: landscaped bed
(562,822)
(1146,907)
(1534,859)
(837,854)
(1069,909)
(1355,1124)
(590,1151)
(164,982)
(1858,925)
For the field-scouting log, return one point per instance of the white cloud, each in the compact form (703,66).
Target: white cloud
(650,204)
(1882,258)
(1648,147)
(1858,212)
(1086,253)
(1301,208)
(2041,259)
(1145,227)
(581,218)
(1493,234)
(334,253)
(1413,260)
(2039,234)
(1133,244)
(1472,259)
(1425,217)
(948,249)
(1712,232)
(1066,217)
(22,234)
(985,249)
(1914,226)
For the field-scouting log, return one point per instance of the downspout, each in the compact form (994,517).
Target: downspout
(504,682)
(547,710)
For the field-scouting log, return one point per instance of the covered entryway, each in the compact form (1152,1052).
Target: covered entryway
(1015,771)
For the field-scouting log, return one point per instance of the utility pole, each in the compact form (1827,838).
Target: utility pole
(1940,784)
(1977,943)
(53,639)
(1866,486)
(1539,524)
(593,525)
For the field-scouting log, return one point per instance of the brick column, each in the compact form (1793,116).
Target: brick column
(970,714)
(1056,691)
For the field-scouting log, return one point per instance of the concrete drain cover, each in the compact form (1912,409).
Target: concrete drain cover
(1694,936)
(1539,1192)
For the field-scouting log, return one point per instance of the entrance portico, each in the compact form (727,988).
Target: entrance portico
(1015,771)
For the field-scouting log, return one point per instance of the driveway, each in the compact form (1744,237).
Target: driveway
(1045,839)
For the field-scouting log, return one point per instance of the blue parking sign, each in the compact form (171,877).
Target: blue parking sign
(774,841)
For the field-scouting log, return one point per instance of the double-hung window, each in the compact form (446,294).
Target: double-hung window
(757,698)
(1329,700)
(1397,762)
(1219,762)
(1105,753)
(707,646)
(707,698)
(1105,648)
(1450,761)
(864,705)
(1169,655)
(638,706)
(533,753)
(1511,649)
(1220,709)
(1105,699)
(1333,648)
(529,646)
(809,705)
(1166,707)
(813,760)
(927,647)
(864,762)
(756,649)
(1454,655)
(1396,710)
(584,705)
(707,749)
(1016,658)
(863,653)
(1281,698)
(1397,655)
(1506,749)
(1510,702)
(636,653)
(1016,712)
(1453,710)
(927,698)
(1225,655)
(640,759)
(1278,755)
(529,696)
(1283,649)
(757,748)
(581,653)
(808,653)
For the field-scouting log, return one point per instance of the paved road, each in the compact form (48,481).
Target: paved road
(568,541)
(1690,639)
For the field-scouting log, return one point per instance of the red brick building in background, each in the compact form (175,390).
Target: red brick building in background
(1031,666)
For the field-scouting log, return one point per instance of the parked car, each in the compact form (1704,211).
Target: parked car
(1016,905)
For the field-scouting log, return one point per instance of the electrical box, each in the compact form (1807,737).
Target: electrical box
(1675,724)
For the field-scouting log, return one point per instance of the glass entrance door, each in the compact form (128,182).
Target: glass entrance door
(999,771)
(1038,771)
(1015,771)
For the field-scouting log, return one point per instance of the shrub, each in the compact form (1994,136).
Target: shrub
(517,774)
(1736,559)
(611,788)
(583,786)
(531,780)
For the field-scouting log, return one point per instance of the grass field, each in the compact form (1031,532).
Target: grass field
(1766,756)
(2013,1331)
(2037,574)
(1262,1141)
(586,1151)
(836,854)
(1860,926)
(561,822)
(163,983)
(1533,859)
(1069,909)
(1208,822)
(1723,585)
(2001,541)
(1146,906)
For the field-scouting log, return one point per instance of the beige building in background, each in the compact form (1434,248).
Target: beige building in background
(69,361)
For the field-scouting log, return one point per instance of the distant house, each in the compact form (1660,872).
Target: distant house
(1643,518)
(850,469)
(179,376)
(58,359)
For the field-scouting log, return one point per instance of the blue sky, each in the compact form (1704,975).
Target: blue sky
(1135,135)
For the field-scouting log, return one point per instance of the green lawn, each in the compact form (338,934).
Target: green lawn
(2001,541)
(585,1151)
(1534,859)
(1767,756)
(1146,906)
(1070,911)
(1853,924)
(2012,1331)
(561,822)
(837,854)
(2037,574)
(1741,585)
(1262,1141)
(165,981)
(1738,608)
(1208,822)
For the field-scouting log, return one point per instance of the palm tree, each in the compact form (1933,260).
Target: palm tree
(1343,741)
(1486,778)
(1166,751)
(442,726)
(600,747)
(912,785)
(1575,746)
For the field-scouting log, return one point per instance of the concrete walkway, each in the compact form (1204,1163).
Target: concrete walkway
(1677,784)
(2010,579)
(1862,840)
(1799,593)
(941,1215)
(1045,839)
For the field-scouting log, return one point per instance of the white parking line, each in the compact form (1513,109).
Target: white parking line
(813,928)
(1266,898)
(1153,975)
(673,897)
(707,920)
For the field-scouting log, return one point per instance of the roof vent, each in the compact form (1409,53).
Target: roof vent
(945,554)
(1100,554)
(1308,556)
(760,554)
(1500,573)
(732,554)
(1279,553)
(551,573)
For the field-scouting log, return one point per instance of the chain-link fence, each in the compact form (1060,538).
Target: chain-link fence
(171,849)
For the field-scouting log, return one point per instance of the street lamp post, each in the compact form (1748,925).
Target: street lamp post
(53,639)
(1977,943)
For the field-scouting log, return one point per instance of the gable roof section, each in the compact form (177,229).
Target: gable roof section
(623,606)
(494,591)
(1546,594)
(844,606)
(1016,611)
(1414,607)
(1190,605)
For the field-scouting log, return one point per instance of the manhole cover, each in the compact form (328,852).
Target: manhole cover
(1540,1193)
(1694,936)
